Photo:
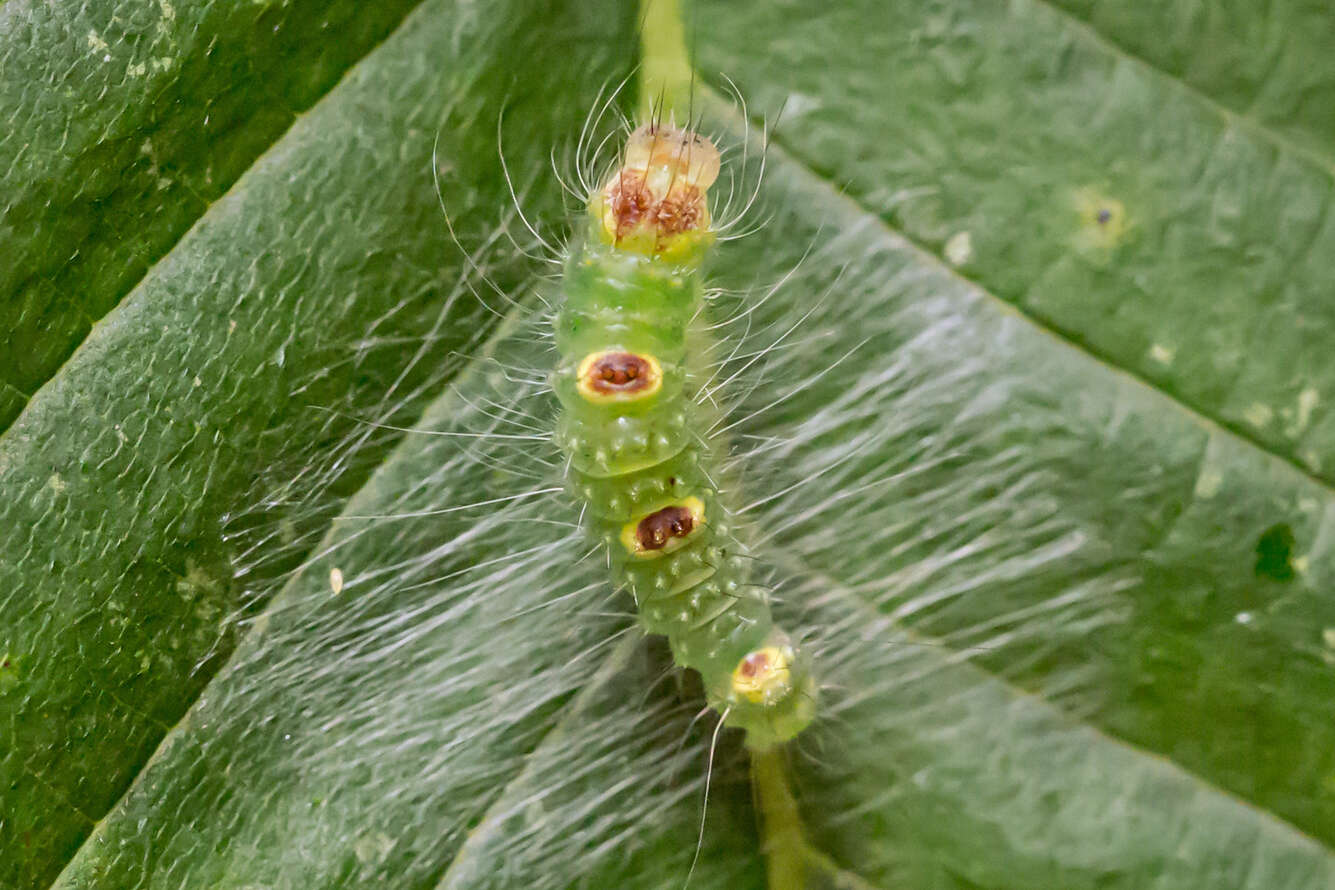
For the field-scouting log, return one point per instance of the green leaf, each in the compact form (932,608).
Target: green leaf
(1070,604)
(1115,205)
(125,120)
(147,470)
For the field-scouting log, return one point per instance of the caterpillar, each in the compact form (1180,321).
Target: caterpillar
(638,453)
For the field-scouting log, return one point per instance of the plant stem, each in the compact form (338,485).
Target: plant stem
(665,67)
(781,839)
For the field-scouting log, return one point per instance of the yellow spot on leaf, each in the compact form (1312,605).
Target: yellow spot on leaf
(959,249)
(1307,402)
(1103,222)
(196,581)
(1208,483)
(1162,354)
(1258,414)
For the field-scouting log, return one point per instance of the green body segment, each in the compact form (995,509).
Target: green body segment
(629,459)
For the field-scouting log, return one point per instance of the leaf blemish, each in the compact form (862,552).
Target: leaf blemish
(1103,221)
(1258,414)
(97,44)
(1274,553)
(1164,355)
(1208,483)
(1307,402)
(959,249)
(9,672)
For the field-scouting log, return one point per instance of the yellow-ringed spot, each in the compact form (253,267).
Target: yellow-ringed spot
(617,376)
(763,677)
(1103,221)
(664,530)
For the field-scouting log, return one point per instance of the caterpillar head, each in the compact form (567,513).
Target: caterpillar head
(770,693)
(656,202)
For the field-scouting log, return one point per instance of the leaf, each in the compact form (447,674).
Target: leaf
(324,277)
(1074,633)
(125,121)
(1146,511)
(1118,207)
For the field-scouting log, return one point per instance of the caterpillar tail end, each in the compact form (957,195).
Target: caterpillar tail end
(771,693)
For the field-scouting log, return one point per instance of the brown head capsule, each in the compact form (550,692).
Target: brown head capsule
(663,530)
(616,376)
(655,202)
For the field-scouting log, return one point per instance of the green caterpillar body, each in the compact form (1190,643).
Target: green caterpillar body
(637,456)
(631,462)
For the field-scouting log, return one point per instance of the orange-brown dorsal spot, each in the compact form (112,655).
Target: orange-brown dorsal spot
(653,531)
(763,676)
(665,529)
(618,376)
(655,202)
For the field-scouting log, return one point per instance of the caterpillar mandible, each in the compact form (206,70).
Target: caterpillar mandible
(639,458)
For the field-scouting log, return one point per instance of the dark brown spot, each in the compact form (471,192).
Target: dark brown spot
(620,372)
(654,530)
(631,200)
(754,665)
(1104,215)
(680,210)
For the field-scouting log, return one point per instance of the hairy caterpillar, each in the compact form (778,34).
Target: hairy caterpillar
(638,457)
